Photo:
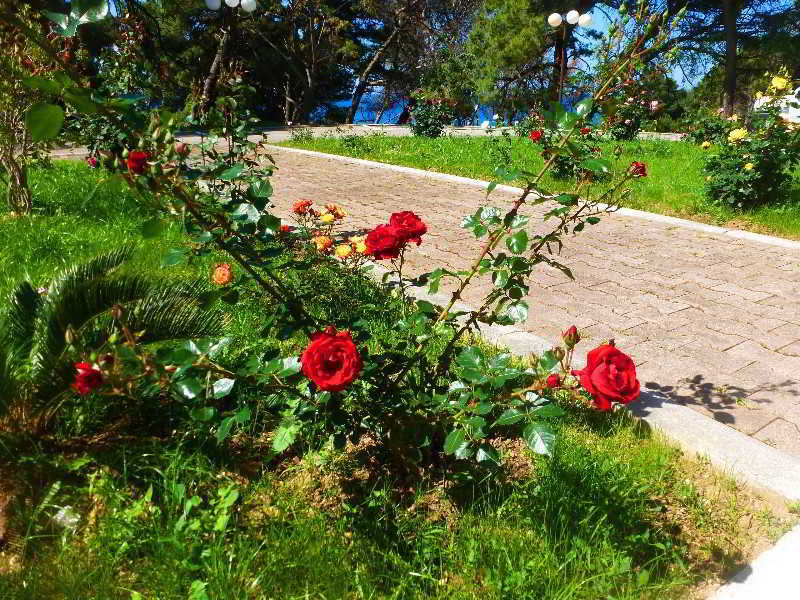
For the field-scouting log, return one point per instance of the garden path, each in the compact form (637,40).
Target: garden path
(712,321)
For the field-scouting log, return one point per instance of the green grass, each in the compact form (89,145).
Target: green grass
(616,513)
(674,185)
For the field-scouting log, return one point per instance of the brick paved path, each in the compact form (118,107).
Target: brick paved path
(711,321)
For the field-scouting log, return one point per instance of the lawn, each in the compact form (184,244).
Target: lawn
(674,185)
(616,512)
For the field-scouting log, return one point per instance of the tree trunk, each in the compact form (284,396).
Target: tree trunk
(361,87)
(20,200)
(729,20)
(210,83)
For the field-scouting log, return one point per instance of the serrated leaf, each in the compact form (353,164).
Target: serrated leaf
(517,311)
(290,365)
(222,387)
(89,11)
(599,166)
(454,441)
(260,189)
(43,121)
(470,357)
(487,453)
(246,213)
(232,173)
(204,413)
(174,256)
(48,86)
(540,438)
(517,242)
(285,436)
(189,388)
(549,411)
(509,417)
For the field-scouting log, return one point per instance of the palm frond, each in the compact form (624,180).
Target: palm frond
(97,267)
(175,311)
(20,320)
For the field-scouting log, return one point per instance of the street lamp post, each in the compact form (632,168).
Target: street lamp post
(555,21)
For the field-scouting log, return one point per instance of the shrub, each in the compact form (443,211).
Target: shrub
(567,163)
(754,166)
(431,114)
(713,129)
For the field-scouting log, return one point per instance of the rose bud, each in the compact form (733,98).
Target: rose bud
(554,381)
(182,149)
(571,337)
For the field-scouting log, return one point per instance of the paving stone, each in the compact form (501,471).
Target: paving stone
(781,434)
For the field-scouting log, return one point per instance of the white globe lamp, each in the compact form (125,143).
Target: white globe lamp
(232,3)
(572,17)
(585,20)
(554,20)
(249,5)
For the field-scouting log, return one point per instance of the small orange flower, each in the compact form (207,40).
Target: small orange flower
(322,242)
(223,274)
(336,210)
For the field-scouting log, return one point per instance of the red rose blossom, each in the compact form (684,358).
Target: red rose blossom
(586,130)
(609,376)
(301,207)
(554,381)
(536,135)
(87,378)
(137,161)
(412,227)
(331,360)
(638,169)
(287,229)
(385,241)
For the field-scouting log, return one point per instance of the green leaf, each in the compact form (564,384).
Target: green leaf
(599,166)
(454,441)
(48,86)
(517,311)
(584,107)
(509,417)
(81,100)
(269,224)
(487,453)
(66,25)
(260,189)
(204,414)
(232,173)
(540,438)
(285,436)
(189,388)
(290,365)
(246,213)
(223,387)
(517,242)
(174,256)
(152,228)
(470,357)
(224,429)
(549,411)
(500,278)
(89,11)
(44,121)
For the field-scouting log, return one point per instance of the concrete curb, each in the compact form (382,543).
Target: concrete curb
(772,576)
(628,212)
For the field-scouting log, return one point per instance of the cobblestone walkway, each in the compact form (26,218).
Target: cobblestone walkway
(711,321)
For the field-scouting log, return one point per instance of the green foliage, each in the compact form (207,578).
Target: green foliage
(711,128)
(431,114)
(750,168)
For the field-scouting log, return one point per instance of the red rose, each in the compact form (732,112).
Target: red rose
(609,376)
(554,381)
(301,207)
(287,229)
(137,161)
(536,135)
(411,226)
(586,130)
(638,169)
(571,337)
(385,241)
(331,360)
(87,378)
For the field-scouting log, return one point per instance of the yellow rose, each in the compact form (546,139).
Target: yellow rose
(759,95)
(327,218)
(361,247)
(733,118)
(322,242)
(737,135)
(343,250)
(749,167)
(705,144)
(780,83)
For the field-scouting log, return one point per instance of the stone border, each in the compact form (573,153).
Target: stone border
(628,212)
(771,576)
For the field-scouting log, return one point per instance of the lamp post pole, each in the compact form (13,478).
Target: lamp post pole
(555,21)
